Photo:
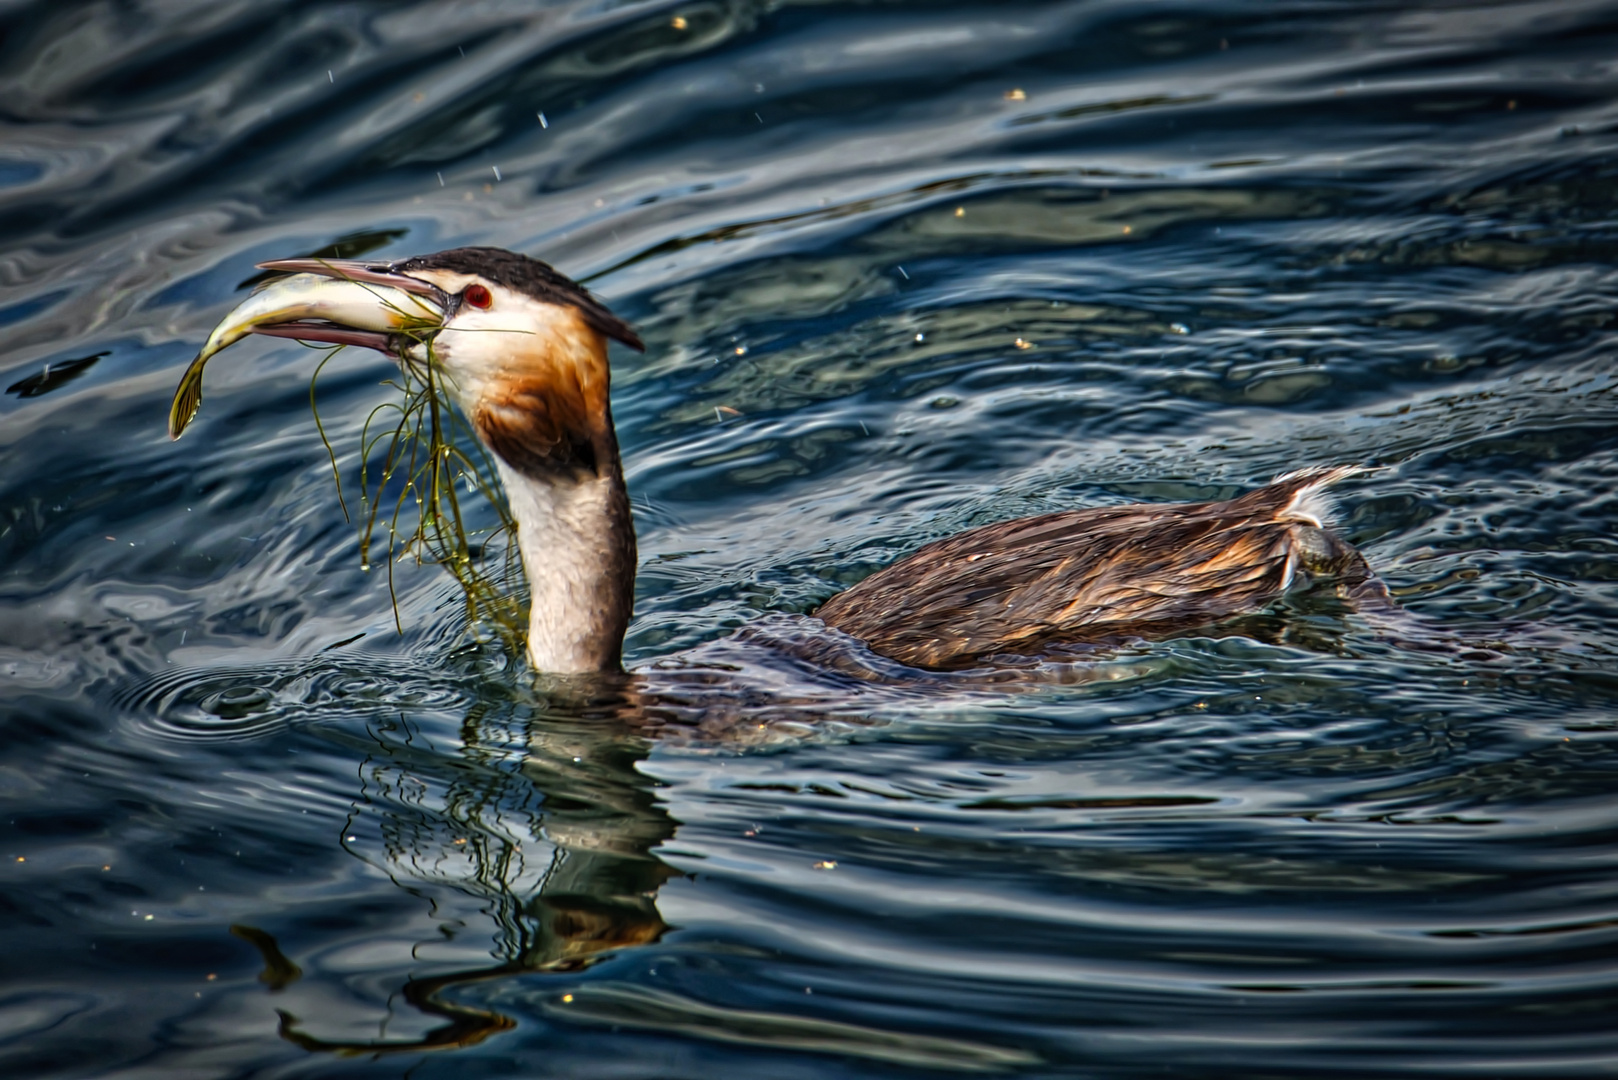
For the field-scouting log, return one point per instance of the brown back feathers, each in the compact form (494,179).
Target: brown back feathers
(1094,575)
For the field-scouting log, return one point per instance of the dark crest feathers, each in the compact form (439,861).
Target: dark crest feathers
(530,277)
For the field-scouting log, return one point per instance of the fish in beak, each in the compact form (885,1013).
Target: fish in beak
(332,301)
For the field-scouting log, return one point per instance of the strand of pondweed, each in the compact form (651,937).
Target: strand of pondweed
(452,548)
(331,455)
(424,438)
(435,468)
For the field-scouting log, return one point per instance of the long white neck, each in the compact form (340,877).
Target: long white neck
(578,549)
(532,378)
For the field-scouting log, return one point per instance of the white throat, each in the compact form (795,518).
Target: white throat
(567,532)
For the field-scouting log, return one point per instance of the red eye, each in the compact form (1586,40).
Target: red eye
(478,296)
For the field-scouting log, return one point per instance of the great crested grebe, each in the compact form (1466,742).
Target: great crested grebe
(524,350)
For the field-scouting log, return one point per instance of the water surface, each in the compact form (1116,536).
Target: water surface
(902,268)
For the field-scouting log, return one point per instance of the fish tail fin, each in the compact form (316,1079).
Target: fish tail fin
(187,398)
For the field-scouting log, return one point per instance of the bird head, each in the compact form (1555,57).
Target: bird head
(522,348)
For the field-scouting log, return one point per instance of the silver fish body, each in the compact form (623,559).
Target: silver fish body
(308,298)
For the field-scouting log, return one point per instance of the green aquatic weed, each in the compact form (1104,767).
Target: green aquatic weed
(417,449)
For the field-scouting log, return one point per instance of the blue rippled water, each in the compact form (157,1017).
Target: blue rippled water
(902,268)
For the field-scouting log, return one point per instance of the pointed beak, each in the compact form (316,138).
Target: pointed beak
(357,270)
(330,301)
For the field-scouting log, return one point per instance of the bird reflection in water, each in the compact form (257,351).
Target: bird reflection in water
(548,823)
(542,815)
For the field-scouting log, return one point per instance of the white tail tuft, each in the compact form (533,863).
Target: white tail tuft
(1312,503)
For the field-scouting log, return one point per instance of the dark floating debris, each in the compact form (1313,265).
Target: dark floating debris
(279,972)
(54,376)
